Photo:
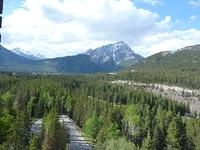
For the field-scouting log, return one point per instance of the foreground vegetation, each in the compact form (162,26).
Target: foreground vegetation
(109,115)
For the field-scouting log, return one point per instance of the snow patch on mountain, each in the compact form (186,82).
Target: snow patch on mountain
(117,52)
(28,54)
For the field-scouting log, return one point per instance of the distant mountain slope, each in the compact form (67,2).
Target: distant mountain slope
(103,59)
(114,55)
(12,62)
(73,64)
(187,58)
(27,54)
(9,61)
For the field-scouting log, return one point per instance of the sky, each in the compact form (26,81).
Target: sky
(57,28)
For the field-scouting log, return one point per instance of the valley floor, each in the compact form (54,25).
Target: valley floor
(189,97)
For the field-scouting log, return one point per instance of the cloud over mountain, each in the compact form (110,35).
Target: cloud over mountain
(67,27)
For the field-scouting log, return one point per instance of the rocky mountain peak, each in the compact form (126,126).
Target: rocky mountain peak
(118,52)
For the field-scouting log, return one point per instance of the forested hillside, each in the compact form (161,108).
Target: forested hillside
(110,115)
(187,58)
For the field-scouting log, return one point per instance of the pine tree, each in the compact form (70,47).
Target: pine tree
(92,126)
(197,142)
(34,143)
(147,143)
(176,134)
(54,138)
(148,119)
(113,131)
(157,143)
(20,136)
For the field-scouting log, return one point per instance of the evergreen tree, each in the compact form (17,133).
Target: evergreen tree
(54,138)
(20,136)
(34,144)
(120,144)
(157,143)
(113,131)
(147,143)
(92,126)
(197,142)
(176,135)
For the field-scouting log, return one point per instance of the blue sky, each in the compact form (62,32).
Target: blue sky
(179,10)
(10,5)
(68,27)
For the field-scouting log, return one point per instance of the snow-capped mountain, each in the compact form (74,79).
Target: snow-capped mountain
(119,53)
(28,54)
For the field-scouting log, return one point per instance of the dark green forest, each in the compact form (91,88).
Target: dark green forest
(178,77)
(110,115)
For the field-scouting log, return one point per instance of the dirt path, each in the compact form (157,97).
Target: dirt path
(77,141)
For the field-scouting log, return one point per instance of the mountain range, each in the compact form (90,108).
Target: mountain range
(108,58)
(103,59)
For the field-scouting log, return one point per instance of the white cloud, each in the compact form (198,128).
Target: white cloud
(164,41)
(151,2)
(58,28)
(193,18)
(67,27)
(195,3)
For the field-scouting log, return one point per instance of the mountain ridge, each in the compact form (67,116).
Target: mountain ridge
(81,63)
(186,58)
